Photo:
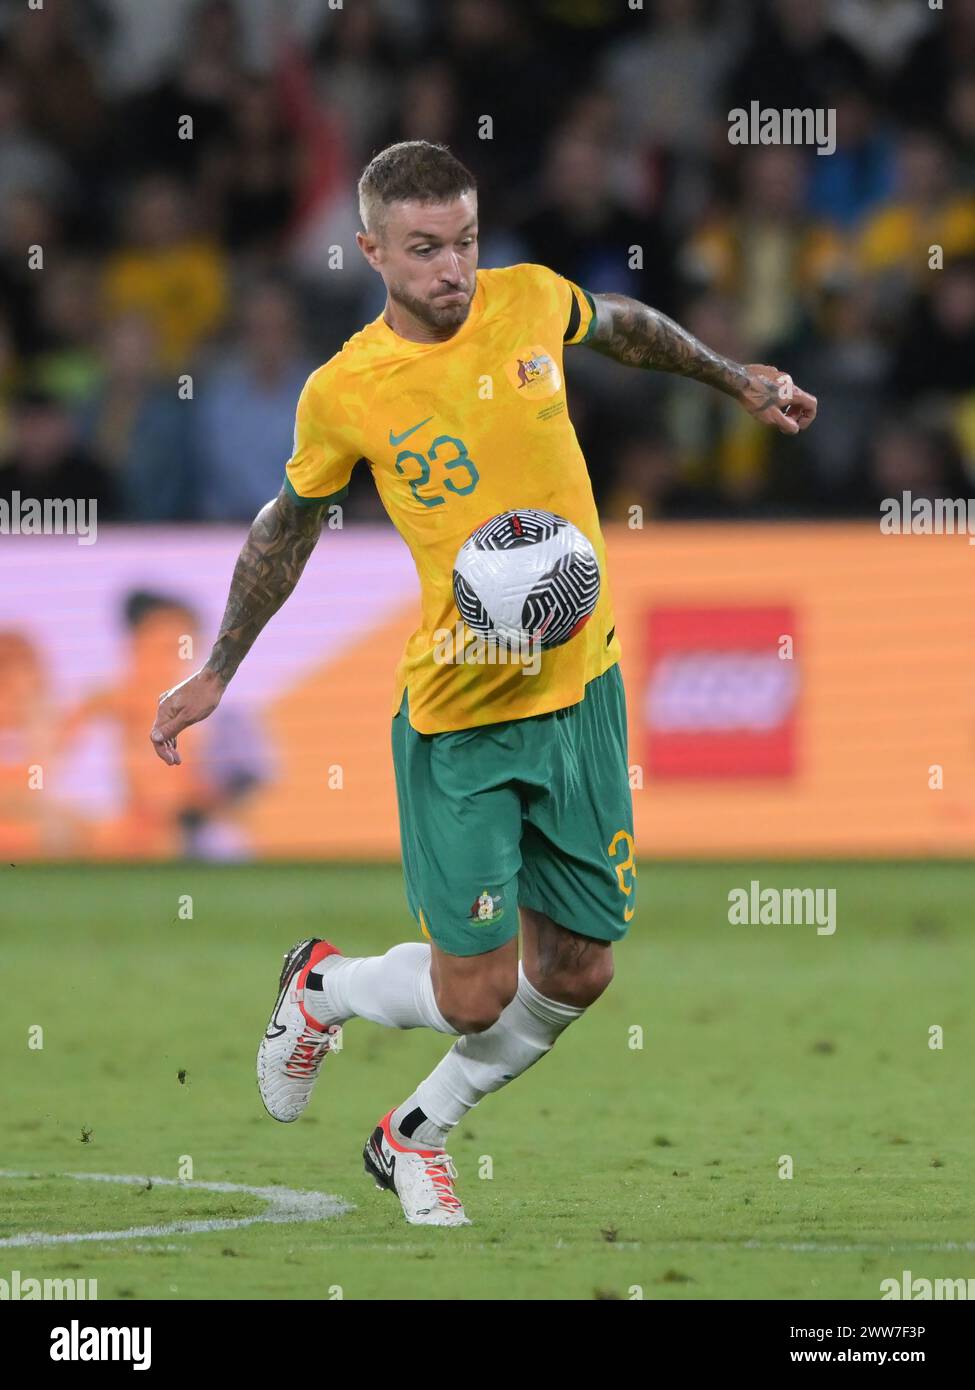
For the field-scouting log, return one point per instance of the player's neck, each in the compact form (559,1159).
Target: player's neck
(414,330)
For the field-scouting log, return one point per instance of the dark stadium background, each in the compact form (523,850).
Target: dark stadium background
(209,256)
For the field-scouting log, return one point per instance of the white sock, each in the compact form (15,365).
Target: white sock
(395,989)
(482,1062)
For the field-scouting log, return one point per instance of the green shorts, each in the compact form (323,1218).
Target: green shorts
(527,813)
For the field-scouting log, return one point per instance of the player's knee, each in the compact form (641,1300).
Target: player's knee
(473,1012)
(578,983)
(463,1024)
(585,988)
(599,976)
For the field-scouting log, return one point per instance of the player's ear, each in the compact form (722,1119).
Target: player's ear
(369,246)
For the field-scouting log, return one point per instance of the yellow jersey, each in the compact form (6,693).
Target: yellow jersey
(454,433)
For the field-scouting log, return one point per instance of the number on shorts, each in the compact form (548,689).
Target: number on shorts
(622,842)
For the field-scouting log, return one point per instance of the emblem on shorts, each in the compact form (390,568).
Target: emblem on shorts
(486,909)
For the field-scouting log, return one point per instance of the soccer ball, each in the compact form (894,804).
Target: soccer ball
(526,577)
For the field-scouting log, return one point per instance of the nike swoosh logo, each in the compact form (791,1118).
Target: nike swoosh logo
(386,1164)
(395,439)
(274,1028)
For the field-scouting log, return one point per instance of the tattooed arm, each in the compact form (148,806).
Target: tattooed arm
(282,537)
(635,334)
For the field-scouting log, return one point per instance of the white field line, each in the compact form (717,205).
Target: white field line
(283,1204)
(286,1204)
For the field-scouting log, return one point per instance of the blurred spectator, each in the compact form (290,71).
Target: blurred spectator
(252,174)
(924,211)
(794,57)
(883,31)
(937,353)
(30,236)
(647,480)
(909,456)
(325,210)
(944,52)
(138,42)
(723,453)
(847,367)
(667,82)
(764,249)
(582,230)
(28,162)
(498,67)
(66,362)
(60,93)
(138,427)
(960,114)
(245,412)
(201,86)
(860,173)
(45,460)
(166,271)
(354,64)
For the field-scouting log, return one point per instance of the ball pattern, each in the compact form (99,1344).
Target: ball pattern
(527,575)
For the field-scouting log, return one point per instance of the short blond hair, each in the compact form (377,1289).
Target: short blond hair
(411,171)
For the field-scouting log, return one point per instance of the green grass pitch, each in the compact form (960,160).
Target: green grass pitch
(614,1168)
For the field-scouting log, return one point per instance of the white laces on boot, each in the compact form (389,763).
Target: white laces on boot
(441,1172)
(309,1050)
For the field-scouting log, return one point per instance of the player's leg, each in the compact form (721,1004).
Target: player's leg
(562,964)
(577,861)
(406,1151)
(413,985)
(460,826)
(560,975)
(461,797)
(459,830)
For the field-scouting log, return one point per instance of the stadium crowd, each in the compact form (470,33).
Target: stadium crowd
(152,356)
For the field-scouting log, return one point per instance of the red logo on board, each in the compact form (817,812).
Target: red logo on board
(719,699)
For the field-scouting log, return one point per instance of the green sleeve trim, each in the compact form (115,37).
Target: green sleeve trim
(592,322)
(314,501)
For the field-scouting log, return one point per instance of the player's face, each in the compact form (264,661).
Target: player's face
(427,257)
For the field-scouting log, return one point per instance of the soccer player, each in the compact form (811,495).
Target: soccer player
(513,789)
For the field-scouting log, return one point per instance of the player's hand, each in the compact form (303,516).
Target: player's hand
(187,703)
(774,398)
